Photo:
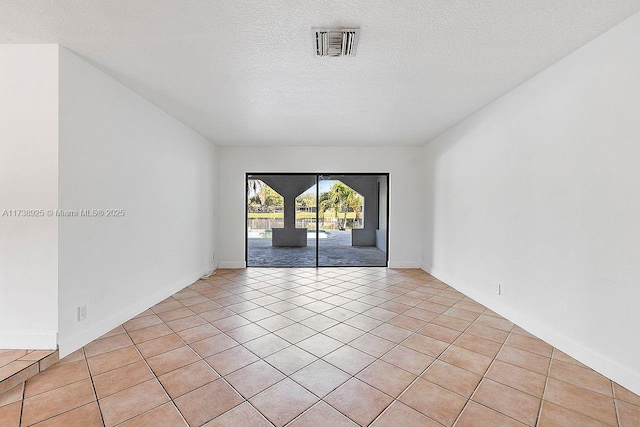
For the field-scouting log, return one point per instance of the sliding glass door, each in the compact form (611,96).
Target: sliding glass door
(352,220)
(310,220)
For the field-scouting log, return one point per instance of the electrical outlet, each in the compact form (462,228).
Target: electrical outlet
(497,289)
(213,257)
(82,312)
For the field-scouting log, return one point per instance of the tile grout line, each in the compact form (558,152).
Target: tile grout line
(294,344)
(371,284)
(201,359)
(407,290)
(397,344)
(378,358)
(406,339)
(427,368)
(485,376)
(93,385)
(221,377)
(24,398)
(24,387)
(615,402)
(544,391)
(154,375)
(441,314)
(321,358)
(548,376)
(287,376)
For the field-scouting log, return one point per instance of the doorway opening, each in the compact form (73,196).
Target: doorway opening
(317,220)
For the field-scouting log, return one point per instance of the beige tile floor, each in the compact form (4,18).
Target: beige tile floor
(319,347)
(16,366)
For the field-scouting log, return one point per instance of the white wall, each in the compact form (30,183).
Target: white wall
(28,180)
(118,151)
(540,191)
(403,164)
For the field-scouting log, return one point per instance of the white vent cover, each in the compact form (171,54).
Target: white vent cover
(335,42)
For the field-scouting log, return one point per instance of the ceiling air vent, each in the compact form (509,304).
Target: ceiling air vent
(335,42)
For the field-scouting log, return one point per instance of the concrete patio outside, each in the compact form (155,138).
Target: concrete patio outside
(335,250)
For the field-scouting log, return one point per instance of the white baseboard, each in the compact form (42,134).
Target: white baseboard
(72,343)
(424,267)
(232,264)
(29,340)
(404,264)
(593,359)
(212,268)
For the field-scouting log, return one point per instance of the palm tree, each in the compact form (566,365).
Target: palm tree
(339,199)
(354,201)
(257,188)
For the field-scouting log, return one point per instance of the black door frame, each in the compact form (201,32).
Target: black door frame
(317,176)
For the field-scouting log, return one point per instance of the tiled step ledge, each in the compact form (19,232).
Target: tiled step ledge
(17,366)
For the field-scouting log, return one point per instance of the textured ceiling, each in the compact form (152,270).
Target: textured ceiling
(243,72)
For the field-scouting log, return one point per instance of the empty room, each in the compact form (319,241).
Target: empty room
(296,213)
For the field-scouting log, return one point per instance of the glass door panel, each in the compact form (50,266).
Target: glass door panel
(352,216)
(280,209)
